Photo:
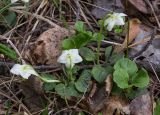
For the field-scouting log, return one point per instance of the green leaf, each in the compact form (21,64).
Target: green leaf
(79,26)
(48,78)
(68,44)
(10,19)
(121,78)
(76,41)
(133,93)
(8,104)
(66,91)
(126,64)
(108,52)
(100,74)
(115,57)
(157,108)
(141,79)
(48,86)
(98,36)
(87,53)
(83,81)
(45,112)
(8,52)
(118,29)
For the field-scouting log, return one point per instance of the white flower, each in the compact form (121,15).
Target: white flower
(24,70)
(70,57)
(114,19)
(13,1)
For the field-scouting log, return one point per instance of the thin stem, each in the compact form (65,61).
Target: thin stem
(99,42)
(5,8)
(128,38)
(70,74)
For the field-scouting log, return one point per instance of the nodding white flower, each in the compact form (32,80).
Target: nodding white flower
(114,19)
(70,57)
(13,1)
(24,70)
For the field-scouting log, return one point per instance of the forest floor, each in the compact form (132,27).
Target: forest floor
(71,61)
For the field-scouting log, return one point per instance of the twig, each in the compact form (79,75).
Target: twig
(71,107)
(13,46)
(83,15)
(78,10)
(153,70)
(17,98)
(148,2)
(113,43)
(35,25)
(36,16)
(6,34)
(96,6)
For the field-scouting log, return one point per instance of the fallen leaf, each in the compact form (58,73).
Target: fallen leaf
(47,47)
(99,96)
(33,92)
(134,30)
(139,5)
(114,105)
(141,105)
(109,84)
(97,101)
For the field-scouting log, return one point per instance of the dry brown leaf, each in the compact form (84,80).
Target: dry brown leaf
(47,47)
(115,105)
(109,84)
(141,105)
(134,30)
(139,5)
(33,92)
(97,101)
(98,96)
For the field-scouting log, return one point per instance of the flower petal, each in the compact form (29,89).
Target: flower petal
(111,25)
(119,21)
(62,57)
(77,59)
(107,21)
(25,75)
(13,1)
(33,72)
(73,51)
(25,0)
(16,69)
(121,14)
(29,69)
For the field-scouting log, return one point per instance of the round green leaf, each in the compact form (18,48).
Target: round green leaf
(66,91)
(141,79)
(87,53)
(99,73)
(121,78)
(108,52)
(79,26)
(126,64)
(83,81)
(48,86)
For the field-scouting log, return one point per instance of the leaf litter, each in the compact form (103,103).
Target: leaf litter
(47,47)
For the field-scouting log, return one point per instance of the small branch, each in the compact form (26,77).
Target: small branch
(36,16)
(150,5)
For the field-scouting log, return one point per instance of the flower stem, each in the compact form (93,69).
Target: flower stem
(70,74)
(99,42)
(128,38)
